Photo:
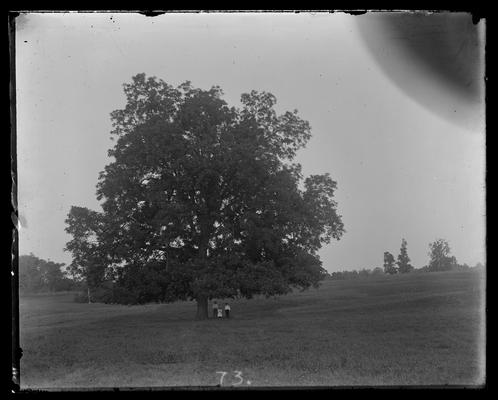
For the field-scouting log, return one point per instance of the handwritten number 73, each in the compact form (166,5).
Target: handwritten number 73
(238,374)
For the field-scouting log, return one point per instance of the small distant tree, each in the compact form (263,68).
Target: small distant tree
(337,275)
(440,259)
(389,263)
(479,266)
(53,277)
(403,262)
(462,267)
(377,271)
(364,273)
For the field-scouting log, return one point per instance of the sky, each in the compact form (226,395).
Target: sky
(408,156)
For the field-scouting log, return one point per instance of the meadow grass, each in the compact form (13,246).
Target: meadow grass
(414,329)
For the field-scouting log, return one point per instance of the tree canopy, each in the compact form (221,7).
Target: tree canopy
(389,263)
(403,262)
(38,275)
(440,259)
(203,200)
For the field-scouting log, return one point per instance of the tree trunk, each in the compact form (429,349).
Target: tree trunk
(202,300)
(202,307)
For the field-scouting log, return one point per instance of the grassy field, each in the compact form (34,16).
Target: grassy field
(420,329)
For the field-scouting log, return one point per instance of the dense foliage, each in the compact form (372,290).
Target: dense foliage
(37,275)
(440,259)
(203,200)
(389,263)
(403,262)
(356,274)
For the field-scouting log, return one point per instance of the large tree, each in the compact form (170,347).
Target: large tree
(203,200)
(403,262)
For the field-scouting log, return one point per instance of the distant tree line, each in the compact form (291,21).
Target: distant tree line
(355,274)
(440,259)
(37,275)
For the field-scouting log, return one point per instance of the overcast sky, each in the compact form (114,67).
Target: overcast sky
(403,170)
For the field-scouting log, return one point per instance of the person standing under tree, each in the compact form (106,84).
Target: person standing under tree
(220,313)
(215,309)
(227,310)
